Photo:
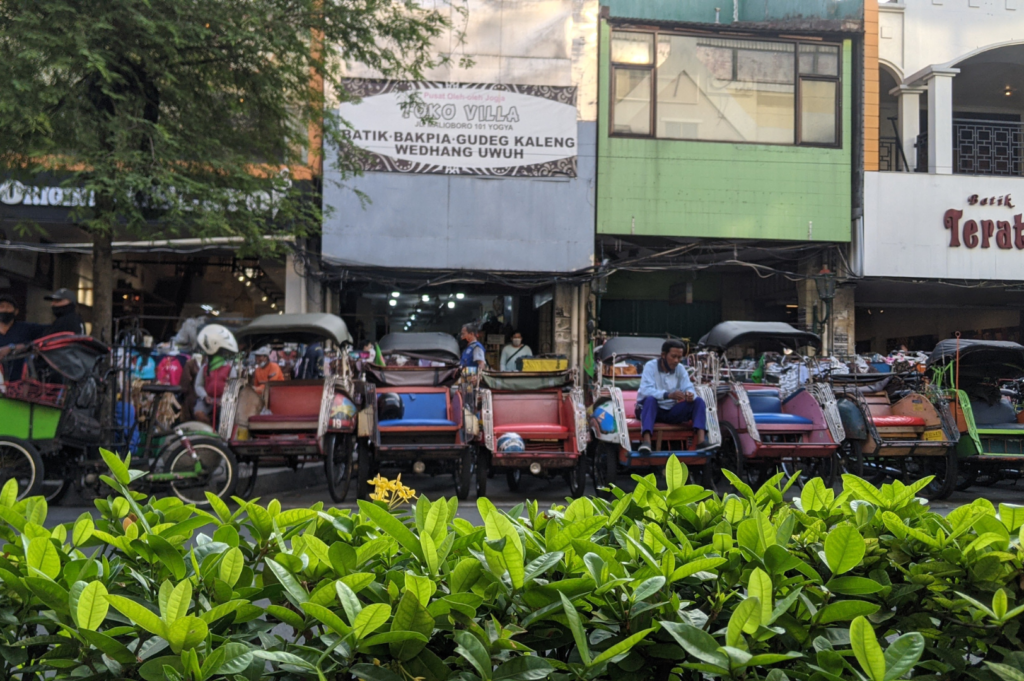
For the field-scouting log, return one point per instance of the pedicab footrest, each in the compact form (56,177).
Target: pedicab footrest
(417,423)
(898,421)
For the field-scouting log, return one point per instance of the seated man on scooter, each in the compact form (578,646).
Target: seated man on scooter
(667,395)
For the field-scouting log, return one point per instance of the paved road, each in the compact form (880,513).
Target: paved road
(547,492)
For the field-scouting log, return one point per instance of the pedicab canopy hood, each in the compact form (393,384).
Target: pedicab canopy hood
(631,347)
(435,346)
(73,357)
(981,359)
(295,328)
(727,334)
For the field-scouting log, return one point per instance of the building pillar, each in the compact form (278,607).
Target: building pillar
(843,324)
(565,305)
(909,100)
(295,298)
(940,120)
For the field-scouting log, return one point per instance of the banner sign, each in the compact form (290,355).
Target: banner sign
(463,128)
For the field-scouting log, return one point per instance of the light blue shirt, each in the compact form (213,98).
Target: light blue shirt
(657,384)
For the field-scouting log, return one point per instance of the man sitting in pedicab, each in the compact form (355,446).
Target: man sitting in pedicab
(667,395)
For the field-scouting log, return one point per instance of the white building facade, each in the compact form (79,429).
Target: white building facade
(942,243)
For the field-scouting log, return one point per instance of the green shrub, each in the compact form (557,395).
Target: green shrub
(673,583)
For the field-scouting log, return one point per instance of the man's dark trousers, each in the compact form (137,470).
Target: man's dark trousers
(650,413)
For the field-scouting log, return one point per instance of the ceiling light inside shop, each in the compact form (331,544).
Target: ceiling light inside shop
(1008,91)
(395,294)
(412,317)
(264,299)
(241,277)
(460,296)
(425,298)
(392,302)
(792,307)
(451,304)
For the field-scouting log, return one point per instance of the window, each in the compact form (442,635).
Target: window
(724,89)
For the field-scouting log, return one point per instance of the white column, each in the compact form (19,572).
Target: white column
(294,288)
(909,99)
(940,120)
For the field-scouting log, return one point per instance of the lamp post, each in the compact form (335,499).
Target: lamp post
(825,282)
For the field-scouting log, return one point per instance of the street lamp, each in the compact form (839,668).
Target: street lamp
(825,282)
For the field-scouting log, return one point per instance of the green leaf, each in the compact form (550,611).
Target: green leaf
(697,642)
(288,581)
(168,555)
(423,587)
(902,654)
(392,527)
(373,672)
(389,637)
(576,627)
(222,610)
(863,490)
(674,476)
(695,566)
(1004,671)
(648,588)
(49,592)
(815,496)
(42,555)
(371,618)
(230,658)
(219,507)
(186,633)
(290,617)
(138,614)
(92,606)
(326,616)
(844,611)
(470,647)
(620,648)
(9,494)
(231,566)
(177,603)
(760,587)
(83,528)
(537,566)
(745,619)
(349,600)
(109,646)
(999,603)
(294,516)
(844,548)
(853,586)
(116,466)
(499,527)
(866,649)
(410,615)
(523,668)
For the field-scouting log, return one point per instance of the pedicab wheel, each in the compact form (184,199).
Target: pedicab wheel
(20,461)
(730,456)
(576,477)
(464,469)
(966,475)
(483,472)
(605,468)
(851,457)
(364,467)
(338,465)
(218,471)
(514,477)
(248,469)
(711,472)
(58,479)
(942,467)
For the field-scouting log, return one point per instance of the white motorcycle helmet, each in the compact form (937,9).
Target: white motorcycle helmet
(213,338)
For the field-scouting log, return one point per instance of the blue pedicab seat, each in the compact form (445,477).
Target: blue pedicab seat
(767,407)
(422,410)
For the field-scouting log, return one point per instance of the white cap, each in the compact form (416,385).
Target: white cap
(265,350)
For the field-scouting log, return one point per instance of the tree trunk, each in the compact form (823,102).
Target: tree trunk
(103,287)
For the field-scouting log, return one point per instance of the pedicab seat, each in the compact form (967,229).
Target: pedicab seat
(422,410)
(293,405)
(416,423)
(629,403)
(534,430)
(894,421)
(282,422)
(781,420)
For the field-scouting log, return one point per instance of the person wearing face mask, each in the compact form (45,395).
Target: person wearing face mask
(514,351)
(14,333)
(66,317)
(266,371)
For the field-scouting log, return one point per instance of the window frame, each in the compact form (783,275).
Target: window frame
(652,69)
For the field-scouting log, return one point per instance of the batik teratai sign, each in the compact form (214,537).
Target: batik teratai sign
(463,128)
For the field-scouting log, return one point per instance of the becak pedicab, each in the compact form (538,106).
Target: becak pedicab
(536,422)
(416,412)
(617,427)
(764,427)
(293,422)
(894,430)
(971,375)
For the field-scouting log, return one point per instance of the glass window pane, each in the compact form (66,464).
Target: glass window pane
(726,90)
(818,111)
(821,60)
(632,48)
(632,110)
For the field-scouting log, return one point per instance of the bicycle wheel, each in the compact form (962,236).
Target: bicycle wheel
(576,478)
(338,465)
(217,471)
(248,470)
(20,461)
(464,469)
(605,468)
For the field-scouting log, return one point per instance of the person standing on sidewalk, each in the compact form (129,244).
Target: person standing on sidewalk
(66,318)
(667,395)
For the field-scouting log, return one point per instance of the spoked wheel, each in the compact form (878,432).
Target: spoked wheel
(966,475)
(58,477)
(248,469)
(711,474)
(464,469)
(514,477)
(338,460)
(364,466)
(213,468)
(730,457)
(943,467)
(483,472)
(851,455)
(20,461)
(605,468)
(576,477)
(824,467)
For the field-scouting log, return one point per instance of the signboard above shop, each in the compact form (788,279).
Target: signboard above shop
(485,129)
(943,226)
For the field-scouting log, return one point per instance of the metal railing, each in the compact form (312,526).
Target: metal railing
(987,147)
(889,157)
